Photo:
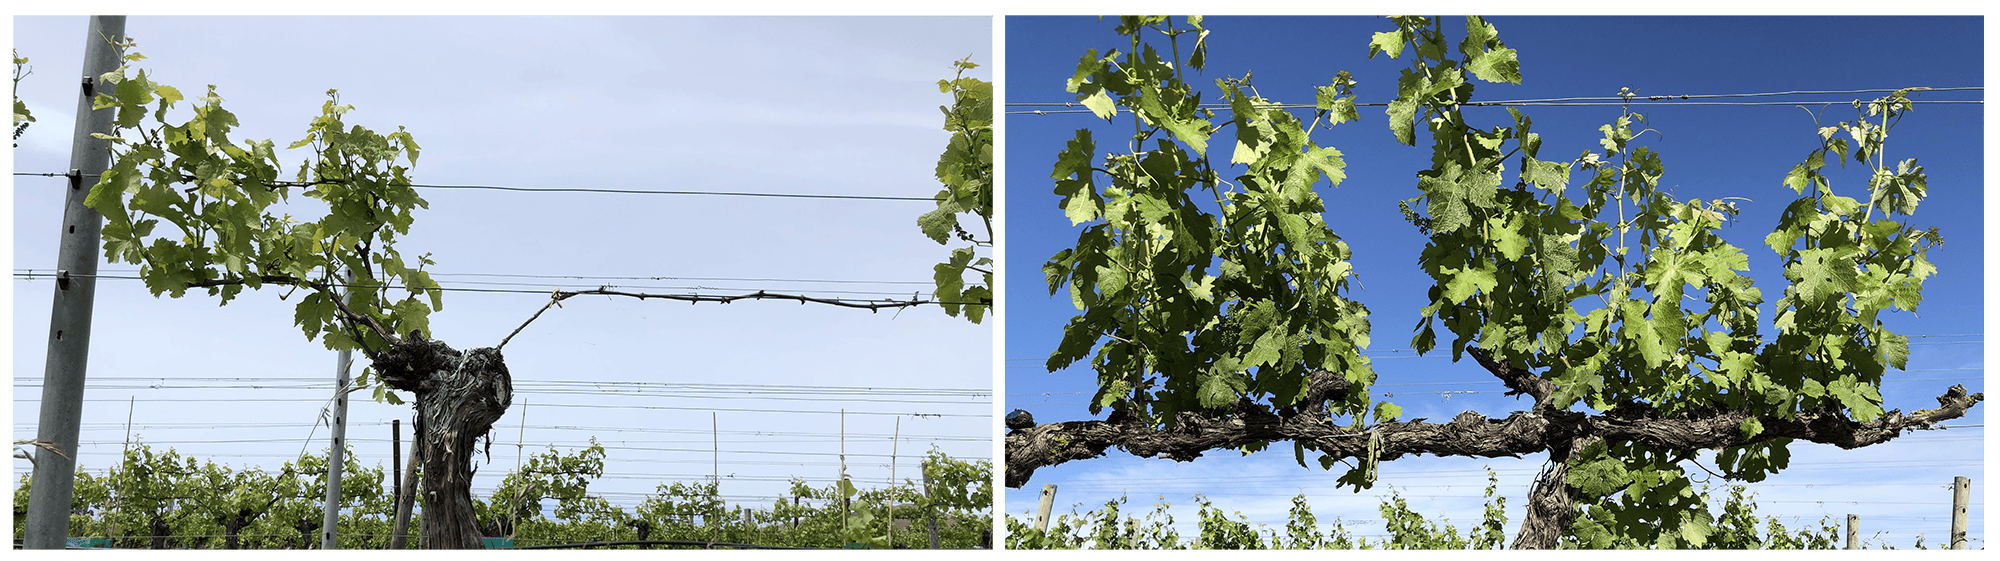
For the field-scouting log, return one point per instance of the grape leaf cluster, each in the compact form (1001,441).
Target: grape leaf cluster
(966,170)
(223,205)
(1196,305)
(1591,291)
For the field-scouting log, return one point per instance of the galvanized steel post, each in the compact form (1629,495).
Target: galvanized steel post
(76,289)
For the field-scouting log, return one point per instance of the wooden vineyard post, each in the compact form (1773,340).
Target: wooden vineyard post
(1048,503)
(408,496)
(1961,498)
(930,514)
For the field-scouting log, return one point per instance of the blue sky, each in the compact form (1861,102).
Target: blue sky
(1899,489)
(840,106)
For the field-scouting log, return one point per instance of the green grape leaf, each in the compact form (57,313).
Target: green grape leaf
(1100,104)
(1600,477)
(1387,412)
(1751,427)
(1695,529)
(938,224)
(1402,112)
(1387,42)
(1466,282)
(1498,65)
(1894,349)
(1219,389)
(1328,161)
(1821,273)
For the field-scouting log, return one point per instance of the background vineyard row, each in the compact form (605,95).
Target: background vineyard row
(166,500)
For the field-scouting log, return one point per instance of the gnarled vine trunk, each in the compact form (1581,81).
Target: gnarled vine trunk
(1553,502)
(459,396)
(1552,505)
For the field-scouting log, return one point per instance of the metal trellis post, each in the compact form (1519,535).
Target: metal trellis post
(61,413)
(336,456)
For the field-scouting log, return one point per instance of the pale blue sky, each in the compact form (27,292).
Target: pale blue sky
(842,106)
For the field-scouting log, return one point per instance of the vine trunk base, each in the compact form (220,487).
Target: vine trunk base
(459,396)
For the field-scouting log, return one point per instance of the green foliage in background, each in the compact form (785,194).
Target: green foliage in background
(1402,528)
(167,500)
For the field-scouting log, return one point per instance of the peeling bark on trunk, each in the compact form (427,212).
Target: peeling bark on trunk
(1553,503)
(459,396)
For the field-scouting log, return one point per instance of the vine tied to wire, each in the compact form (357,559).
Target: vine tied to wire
(556,297)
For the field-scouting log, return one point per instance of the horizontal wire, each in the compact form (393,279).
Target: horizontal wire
(1566,101)
(559,405)
(610,191)
(50,272)
(773,396)
(704,461)
(1328,492)
(703,434)
(1472,479)
(662,407)
(784,388)
(691,436)
(329,387)
(682,297)
(345,533)
(629,388)
(518,391)
(1413,350)
(1633,97)
(1118,110)
(649,192)
(1478,475)
(754,387)
(703,451)
(1942,502)
(607,494)
(1442,356)
(583,285)
(582,277)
